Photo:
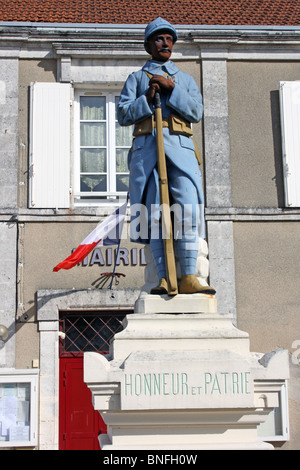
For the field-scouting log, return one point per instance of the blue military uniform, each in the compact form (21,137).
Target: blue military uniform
(184,176)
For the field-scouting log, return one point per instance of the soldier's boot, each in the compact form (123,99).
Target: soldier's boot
(162,287)
(190,285)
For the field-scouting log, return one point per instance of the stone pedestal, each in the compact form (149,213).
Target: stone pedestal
(181,376)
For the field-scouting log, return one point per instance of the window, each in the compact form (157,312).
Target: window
(88,169)
(101,148)
(89,331)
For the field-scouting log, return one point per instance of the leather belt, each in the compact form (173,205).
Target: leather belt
(176,124)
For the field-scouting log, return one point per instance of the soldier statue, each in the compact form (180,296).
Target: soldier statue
(181,105)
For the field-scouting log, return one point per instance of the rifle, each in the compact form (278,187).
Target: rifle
(167,231)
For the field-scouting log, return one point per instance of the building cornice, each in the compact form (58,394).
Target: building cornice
(119,41)
(198,33)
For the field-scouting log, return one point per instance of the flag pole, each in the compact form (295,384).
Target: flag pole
(117,252)
(115,264)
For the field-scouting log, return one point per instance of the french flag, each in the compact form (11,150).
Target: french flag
(106,233)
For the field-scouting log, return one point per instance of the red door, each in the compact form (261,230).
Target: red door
(79,423)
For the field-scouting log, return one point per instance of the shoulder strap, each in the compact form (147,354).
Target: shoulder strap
(197,152)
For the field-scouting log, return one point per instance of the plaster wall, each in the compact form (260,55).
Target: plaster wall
(255,135)
(267,293)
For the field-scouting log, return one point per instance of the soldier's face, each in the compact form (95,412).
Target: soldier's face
(161,46)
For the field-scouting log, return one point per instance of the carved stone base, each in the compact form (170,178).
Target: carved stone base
(181,376)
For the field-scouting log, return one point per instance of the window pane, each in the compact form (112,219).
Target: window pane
(121,160)
(122,182)
(88,331)
(92,108)
(93,160)
(123,136)
(92,183)
(93,134)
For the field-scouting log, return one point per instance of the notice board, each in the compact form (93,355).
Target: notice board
(18,407)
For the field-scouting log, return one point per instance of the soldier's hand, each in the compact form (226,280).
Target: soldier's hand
(153,88)
(163,82)
(158,83)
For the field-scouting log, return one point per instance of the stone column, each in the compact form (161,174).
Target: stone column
(8,203)
(216,132)
(9,83)
(8,254)
(218,177)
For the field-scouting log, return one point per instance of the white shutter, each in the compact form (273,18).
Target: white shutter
(290,130)
(50,145)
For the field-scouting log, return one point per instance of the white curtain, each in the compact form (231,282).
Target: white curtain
(93,131)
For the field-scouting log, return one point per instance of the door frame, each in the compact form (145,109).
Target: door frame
(49,304)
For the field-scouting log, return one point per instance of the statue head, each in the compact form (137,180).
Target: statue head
(155,28)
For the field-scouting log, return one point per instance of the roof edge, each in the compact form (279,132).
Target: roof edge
(138,27)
